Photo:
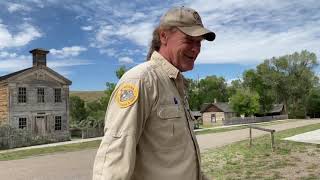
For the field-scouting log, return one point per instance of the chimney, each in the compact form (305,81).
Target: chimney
(39,57)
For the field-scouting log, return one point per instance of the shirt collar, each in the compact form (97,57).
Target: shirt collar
(169,69)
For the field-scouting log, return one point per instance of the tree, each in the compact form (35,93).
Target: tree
(245,102)
(313,103)
(257,81)
(121,71)
(193,94)
(77,110)
(287,79)
(292,78)
(232,88)
(212,87)
(206,91)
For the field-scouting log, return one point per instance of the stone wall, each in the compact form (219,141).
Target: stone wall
(207,117)
(3,104)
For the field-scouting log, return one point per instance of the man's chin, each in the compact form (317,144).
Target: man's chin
(184,69)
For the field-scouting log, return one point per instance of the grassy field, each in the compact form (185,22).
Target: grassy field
(48,150)
(217,130)
(290,160)
(87,95)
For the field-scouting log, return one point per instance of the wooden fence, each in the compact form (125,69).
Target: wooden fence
(11,137)
(86,132)
(248,120)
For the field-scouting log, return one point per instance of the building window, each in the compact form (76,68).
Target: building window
(57,95)
(22,123)
(57,123)
(22,95)
(40,95)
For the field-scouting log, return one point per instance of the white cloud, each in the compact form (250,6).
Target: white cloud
(14,7)
(68,51)
(250,32)
(11,64)
(5,54)
(139,33)
(87,28)
(126,60)
(246,32)
(240,46)
(67,63)
(26,34)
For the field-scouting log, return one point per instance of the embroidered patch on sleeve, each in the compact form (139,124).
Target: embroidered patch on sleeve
(127,95)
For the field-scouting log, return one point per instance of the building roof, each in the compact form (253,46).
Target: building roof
(276,108)
(6,77)
(196,113)
(225,107)
(13,74)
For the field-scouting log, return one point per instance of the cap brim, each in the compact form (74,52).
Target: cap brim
(198,31)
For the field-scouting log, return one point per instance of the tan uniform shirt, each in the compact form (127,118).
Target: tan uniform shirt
(150,136)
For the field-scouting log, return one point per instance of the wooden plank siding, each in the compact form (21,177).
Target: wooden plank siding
(4,110)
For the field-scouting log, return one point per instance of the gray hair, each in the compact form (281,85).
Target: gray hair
(155,42)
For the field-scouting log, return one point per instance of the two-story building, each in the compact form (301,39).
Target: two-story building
(36,99)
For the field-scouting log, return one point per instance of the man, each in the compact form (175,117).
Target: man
(148,127)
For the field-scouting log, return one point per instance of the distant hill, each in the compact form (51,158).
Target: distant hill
(87,95)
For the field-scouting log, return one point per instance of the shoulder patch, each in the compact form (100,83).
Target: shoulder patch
(127,95)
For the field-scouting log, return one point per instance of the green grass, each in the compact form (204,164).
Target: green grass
(238,161)
(48,150)
(218,130)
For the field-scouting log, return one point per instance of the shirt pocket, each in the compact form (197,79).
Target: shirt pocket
(168,130)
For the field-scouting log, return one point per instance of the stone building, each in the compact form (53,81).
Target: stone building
(216,112)
(36,99)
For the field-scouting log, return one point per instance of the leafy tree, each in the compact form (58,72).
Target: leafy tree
(205,91)
(232,88)
(245,102)
(313,103)
(292,78)
(121,71)
(257,81)
(77,110)
(193,94)
(212,87)
(287,79)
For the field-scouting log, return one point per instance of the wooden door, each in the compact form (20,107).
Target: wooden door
(40,125)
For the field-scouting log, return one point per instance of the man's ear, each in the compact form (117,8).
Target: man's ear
(163,37)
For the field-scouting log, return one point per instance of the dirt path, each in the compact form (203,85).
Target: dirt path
(78,165)
(209,141)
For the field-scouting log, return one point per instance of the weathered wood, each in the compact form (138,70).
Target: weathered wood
(250,136)
(3,103)
(272,141)
(262,129)
(272,131)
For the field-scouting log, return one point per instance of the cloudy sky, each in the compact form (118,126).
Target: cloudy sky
(89,40)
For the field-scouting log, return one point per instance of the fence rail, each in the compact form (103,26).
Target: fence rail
(86,132)
(271,131)
(248,120)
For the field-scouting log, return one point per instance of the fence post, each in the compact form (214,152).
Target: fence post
(272,141)
(250,136)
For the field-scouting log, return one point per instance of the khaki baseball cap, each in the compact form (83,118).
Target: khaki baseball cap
(188,21)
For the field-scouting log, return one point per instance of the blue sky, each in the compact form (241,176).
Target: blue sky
(89,40)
